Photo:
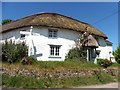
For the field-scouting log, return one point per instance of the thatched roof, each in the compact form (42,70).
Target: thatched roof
(52,20)
(92,42)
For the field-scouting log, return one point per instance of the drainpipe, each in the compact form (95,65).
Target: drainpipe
(95,61)
(87,55)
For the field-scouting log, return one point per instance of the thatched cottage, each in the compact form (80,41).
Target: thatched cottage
(50,36)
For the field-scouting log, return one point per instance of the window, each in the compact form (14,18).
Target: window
(54,50)
(22,35)
(52,33)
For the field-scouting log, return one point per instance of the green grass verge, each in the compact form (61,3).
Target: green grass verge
(54,65)
(115,65)
(35,82)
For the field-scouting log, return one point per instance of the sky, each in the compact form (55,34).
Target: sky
(101,15)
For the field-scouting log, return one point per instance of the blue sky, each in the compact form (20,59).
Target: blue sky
(102,15)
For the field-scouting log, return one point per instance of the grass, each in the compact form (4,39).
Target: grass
(55,65)
(34,82)
(53,82)
(115,65)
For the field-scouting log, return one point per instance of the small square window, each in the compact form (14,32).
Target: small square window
(52,33)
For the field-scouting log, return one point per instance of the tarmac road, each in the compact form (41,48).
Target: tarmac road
(110,85)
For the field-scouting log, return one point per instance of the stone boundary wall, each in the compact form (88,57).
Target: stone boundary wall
(45,73)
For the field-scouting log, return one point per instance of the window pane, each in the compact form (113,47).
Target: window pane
(57,51)
(55,34)
(22,35)
(54,50)
(52,33)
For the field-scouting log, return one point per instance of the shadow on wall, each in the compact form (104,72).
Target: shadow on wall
(35,54)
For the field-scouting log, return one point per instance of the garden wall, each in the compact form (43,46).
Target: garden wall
(45,73)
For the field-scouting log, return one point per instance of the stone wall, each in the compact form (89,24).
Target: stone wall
(45,73)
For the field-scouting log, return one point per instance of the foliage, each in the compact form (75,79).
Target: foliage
(103,77)
(115,65)
(12,52)
(116,53)
(53,82)
(104,62)
(74,54)
(6,21)
(28,60)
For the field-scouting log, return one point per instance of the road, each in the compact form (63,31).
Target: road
(110,85)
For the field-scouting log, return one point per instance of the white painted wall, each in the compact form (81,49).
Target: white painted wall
(105,50)
(41,41)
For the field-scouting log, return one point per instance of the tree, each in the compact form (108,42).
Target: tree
(116,53)
(6,21)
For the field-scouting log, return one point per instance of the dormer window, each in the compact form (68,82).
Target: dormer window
(52,33)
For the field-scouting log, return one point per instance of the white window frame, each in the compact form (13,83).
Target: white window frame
(55,50)
(52,33)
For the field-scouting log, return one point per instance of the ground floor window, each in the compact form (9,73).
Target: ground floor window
(54,50)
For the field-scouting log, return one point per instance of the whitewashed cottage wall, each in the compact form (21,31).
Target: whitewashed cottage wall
(65,38)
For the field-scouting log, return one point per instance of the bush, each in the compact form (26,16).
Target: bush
(116,53)
(74,54)
(12,52)
(104,62)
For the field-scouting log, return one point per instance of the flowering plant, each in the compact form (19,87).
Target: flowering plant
(104,62)
(25,61)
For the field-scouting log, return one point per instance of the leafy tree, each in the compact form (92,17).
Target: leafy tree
(116,53)
(6,21)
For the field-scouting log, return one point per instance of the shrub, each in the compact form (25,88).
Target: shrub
(12,52)
(104,62)
(74,54)
(116,53)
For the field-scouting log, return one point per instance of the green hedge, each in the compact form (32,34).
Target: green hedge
(12,52)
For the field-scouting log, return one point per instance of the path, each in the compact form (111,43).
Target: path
(110,85)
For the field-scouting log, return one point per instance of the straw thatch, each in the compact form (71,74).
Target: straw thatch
(91,42)
(52,20)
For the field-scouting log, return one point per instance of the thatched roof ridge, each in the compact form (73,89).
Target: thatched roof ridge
(52,20)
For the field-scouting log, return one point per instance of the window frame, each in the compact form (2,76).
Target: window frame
(52,33)
(54,51)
